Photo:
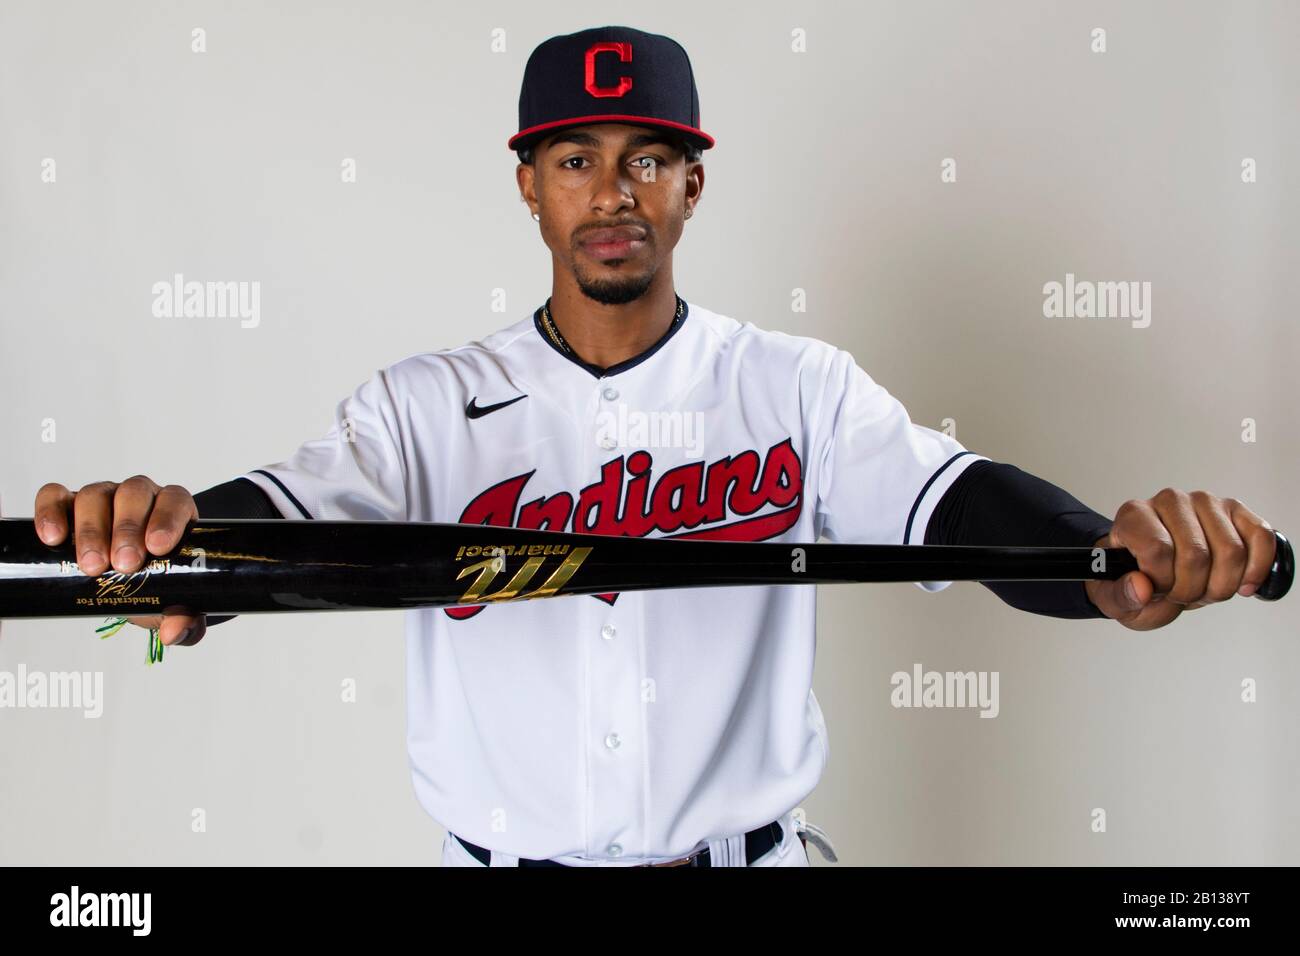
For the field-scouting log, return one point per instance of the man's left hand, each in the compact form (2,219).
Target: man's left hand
(1192,549)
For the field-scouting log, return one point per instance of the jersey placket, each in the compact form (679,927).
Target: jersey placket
(615,744)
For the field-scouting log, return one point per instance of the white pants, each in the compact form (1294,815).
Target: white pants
(790,852)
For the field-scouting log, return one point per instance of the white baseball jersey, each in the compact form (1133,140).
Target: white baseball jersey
(636,727)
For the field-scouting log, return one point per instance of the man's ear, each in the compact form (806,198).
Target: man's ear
(694,181)
(524,174)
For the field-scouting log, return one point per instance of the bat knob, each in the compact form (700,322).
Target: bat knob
(1281,574)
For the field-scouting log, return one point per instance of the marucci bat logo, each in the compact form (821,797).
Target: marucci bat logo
(493,565)
(762,496)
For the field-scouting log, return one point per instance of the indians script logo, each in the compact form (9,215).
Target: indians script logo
(708,501)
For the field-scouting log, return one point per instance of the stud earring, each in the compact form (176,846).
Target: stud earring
(537,217)
(688,213)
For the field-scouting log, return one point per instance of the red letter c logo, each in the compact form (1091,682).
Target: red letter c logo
(624,51)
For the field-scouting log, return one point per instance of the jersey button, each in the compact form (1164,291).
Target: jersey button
(610,394)
(607,443)
(608,632)
(615,850)
(612,741)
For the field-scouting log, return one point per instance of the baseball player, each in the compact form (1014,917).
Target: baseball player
(664,728)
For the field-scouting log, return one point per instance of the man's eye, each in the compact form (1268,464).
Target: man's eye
(644,158)
(571,159)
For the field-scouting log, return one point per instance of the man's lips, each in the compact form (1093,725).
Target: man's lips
(616,243)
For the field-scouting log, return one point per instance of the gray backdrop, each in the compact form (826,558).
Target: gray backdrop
(1123,165)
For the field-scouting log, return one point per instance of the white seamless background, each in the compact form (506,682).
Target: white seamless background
(225,166)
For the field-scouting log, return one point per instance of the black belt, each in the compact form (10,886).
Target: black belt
(757,842)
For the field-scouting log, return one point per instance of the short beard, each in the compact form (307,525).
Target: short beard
(615,291)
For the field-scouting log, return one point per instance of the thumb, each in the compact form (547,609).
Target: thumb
(1124,598)
(181,627)
(1134,591)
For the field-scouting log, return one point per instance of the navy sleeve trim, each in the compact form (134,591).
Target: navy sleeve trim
(911,515)
(287,493)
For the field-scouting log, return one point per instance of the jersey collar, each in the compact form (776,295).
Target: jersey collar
(626,364)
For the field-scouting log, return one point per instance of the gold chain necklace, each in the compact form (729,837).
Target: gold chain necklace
(554,333)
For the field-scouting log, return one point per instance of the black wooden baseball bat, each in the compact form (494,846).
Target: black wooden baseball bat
(248,566)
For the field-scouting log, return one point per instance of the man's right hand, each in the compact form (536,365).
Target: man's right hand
(118,525)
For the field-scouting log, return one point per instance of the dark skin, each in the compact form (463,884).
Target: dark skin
(116,525)
(599,176)
(1192,548)
(612,302)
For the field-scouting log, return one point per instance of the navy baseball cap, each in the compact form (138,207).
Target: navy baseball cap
(608,75)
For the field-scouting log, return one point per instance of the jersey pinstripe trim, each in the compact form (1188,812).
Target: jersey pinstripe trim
(911,516)
(285,491)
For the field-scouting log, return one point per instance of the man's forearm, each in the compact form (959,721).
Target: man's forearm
(993,503)
(239,498)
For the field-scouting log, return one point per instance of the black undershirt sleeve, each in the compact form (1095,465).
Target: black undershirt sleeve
(239,498)
(993,503)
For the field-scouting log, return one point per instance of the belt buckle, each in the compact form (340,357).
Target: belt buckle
(684,861)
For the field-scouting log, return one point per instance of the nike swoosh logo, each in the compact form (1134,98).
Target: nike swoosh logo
(474,410)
